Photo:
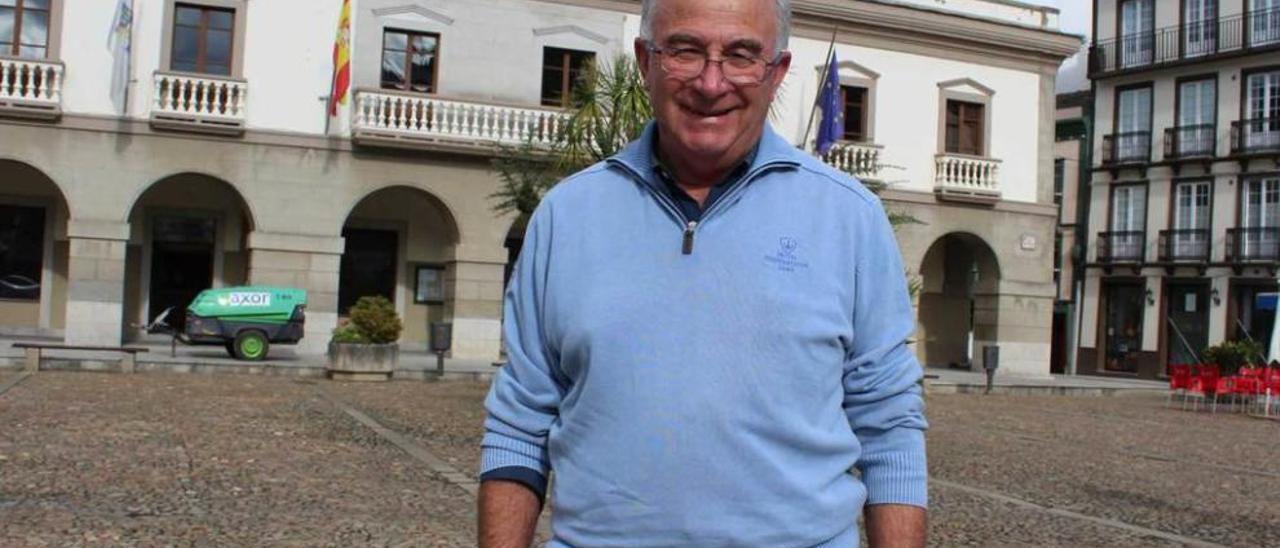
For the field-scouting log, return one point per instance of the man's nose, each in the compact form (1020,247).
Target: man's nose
(711,82)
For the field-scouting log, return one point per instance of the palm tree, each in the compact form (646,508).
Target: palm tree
(610,109)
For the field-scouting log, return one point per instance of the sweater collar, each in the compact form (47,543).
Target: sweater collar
(639,156)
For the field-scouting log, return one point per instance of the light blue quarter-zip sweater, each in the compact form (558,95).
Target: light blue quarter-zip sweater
(710,383)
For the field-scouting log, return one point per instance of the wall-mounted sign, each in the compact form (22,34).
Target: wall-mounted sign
(430,285)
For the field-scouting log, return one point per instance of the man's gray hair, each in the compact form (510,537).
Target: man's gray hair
(782,7)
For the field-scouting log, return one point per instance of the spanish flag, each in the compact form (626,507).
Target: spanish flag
(341,60)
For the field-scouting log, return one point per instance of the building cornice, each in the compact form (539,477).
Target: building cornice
(900,196)
(941,25)
(918,25)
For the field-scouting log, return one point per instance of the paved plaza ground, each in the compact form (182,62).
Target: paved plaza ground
(242,460)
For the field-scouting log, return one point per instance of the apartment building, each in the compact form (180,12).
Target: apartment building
(222,167)
(1071,176)
(1185,205)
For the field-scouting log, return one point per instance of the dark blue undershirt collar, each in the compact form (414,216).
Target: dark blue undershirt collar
(688,206)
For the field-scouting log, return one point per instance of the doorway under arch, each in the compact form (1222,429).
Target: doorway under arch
(187,233)
(33,251)
(958,307)
(400,243)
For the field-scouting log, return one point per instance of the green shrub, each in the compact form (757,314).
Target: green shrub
(347,333)
(1230,355)
(372,320)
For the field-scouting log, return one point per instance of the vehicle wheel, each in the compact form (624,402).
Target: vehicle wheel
(251,345)
(231,348)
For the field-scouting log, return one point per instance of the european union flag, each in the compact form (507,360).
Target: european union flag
(831,127)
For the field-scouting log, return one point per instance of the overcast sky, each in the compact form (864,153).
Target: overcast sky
(1075,18)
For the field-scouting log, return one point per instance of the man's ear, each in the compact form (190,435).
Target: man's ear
(642,56)
(780,71)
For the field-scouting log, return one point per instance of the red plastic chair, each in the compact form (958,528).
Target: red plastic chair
(1271,383)
(1224,386)
(1203,385)
(1179,382)
(1246,385)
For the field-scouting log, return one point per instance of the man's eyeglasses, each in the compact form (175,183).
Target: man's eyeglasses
(686,63)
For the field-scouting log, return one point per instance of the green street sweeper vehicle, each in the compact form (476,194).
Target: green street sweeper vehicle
(245,320)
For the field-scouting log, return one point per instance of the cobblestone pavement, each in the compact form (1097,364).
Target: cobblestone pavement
(241,460)
(97,459)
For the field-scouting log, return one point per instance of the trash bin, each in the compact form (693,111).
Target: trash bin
(441,336)
(990,362)
(441,340)
(991,357)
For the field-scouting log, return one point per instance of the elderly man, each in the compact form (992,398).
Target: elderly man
(707,332)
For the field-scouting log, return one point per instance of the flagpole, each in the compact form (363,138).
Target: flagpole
(128,78)
(328,103)
(826,71)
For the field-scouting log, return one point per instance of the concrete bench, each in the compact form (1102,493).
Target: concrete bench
(34,349)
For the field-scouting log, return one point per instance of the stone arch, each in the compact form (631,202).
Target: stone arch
(34,252)
(400,241)
(193,175)
(958,308)
(188,231)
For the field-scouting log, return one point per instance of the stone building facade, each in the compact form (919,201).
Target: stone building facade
(222,168)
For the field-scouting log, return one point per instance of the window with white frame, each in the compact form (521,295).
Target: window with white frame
(1133,124)
(1199,27)
(1197,131)
(1128,217)
(1262,111)
(1137,33)
(1191,217)
(1264,22)
(1260,217)
(24,28)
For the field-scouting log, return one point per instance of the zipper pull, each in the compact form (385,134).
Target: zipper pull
(688,237)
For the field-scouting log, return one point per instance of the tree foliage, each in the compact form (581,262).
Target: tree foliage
(610,109)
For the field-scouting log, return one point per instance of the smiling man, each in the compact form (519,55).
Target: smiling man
(707,332)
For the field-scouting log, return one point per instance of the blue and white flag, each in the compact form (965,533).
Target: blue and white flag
(120,42)
(831,126)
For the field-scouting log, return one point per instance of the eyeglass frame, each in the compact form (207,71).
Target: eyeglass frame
(706,59)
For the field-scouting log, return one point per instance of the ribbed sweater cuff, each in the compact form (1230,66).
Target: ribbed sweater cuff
(498,451)
(901,475)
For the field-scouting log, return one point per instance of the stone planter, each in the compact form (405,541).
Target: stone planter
(362,362)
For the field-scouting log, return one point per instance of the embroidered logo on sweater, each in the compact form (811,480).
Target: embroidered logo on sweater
(786,259)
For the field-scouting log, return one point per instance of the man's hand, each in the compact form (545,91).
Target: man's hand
(896,526)
(508,514)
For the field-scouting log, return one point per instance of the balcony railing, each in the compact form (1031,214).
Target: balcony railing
(966,178)
(1122,247)
(199,102)
(1133,147)
(1184,246)
(1260,135)
(401,119)
(860,159)
(1253,245)
(30,88)
(1182,142)
(1257,30)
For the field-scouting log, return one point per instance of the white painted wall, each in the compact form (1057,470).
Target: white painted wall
(907,111)
(489,51)
(492,52)
(1013,12)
